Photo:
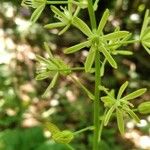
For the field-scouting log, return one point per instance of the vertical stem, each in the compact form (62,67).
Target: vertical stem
(97,81)
(96,102)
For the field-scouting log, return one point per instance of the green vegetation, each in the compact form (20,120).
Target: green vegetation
(66,118)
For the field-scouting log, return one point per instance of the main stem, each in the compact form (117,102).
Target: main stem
(97,82)
(97,102)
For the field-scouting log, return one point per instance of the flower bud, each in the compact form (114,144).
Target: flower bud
(63,137)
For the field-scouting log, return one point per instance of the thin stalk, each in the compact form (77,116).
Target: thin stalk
(83,130)
(97,102)
(97,82)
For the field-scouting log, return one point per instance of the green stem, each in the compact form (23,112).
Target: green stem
(97,81)
(96,102)
(83,130)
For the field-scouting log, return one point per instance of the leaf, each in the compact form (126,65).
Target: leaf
(122,52)
(64,29)
(108,115)
(134,94)
(144,108)
(51,85)
(146,34)
(77,47)
(120,120)
(59,13)
(122,89)
(49,64)
(115,35)
(133,115)
(145,23)
(108,57)
(90,59)
(103,21)
(108,101)
(42,59)
(90,95)
(95,6)
(26,3)
(102,69)
(146,43)
(147,49)
(54,25)
(43,75)
(36,14)
(82,26)
(48,50)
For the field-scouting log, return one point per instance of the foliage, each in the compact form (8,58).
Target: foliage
(112,42)
(101,47)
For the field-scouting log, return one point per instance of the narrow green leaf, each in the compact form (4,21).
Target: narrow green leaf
(133,115)
(90,95)
(120,120)
(102,70)
(36,14)
(108,57)
(64,29)
(42,59)
(49,64)
(108,101)
(59,13)
(52,84)
(54,25)
(48,49)
(134,94)
(43,75)
(122,52)
(144,108)
(77,47)
(103,21)
(145,23)
(26,3)
(147,44)
(122,89)
(146,34)
(116,35)
(81,25)
(95,6)
(108,115)
(90,59)
(146,48)
(119,43)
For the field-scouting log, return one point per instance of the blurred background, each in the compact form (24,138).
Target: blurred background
(21,104)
